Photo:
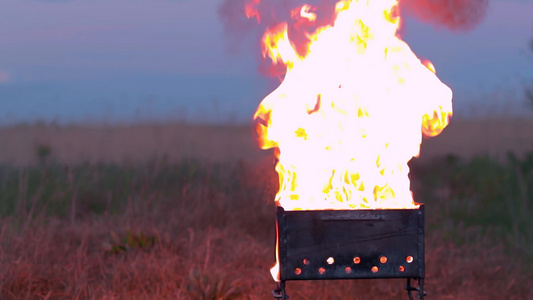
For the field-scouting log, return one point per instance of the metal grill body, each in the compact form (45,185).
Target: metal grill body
(351,244)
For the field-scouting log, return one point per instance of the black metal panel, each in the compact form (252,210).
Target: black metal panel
(358,244)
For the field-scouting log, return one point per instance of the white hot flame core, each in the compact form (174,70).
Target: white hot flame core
(349,115)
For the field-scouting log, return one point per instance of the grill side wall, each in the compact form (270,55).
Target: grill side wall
(307,239)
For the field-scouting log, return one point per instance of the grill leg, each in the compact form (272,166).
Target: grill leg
(279,292)
(421,292)
(419,289)
(409,289)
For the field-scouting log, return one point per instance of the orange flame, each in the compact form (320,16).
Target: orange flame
(250,9)
(429,65)
(350,112)
(274,271)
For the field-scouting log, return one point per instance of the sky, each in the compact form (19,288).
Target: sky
(123,61)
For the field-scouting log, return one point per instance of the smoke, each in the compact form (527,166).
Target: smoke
(269,13)
(241,18)
(456,15)
(244,18)
(4,76)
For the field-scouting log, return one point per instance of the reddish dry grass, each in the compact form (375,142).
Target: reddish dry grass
(216,245)
(66,261)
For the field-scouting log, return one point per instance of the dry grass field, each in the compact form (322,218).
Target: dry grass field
(482,137)
(139,144)
(126,145)
(186,212)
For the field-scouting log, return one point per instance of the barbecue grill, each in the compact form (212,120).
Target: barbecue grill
(350,244)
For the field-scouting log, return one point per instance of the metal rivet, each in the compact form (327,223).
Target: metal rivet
(409,259)
(321,271)
(383,259)
(305,261)
(348,270)
(297,271)
(374,269)
(356,260)
(330,260)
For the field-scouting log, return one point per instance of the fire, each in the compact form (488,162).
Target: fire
(251,10)
(351,110)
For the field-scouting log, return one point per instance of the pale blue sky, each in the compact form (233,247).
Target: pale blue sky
(130,60)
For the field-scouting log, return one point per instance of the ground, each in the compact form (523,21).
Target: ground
(178,211)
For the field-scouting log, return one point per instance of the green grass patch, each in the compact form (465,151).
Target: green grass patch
(53,190)
(480,198)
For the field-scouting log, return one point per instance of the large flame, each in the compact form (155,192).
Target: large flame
(351,110)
